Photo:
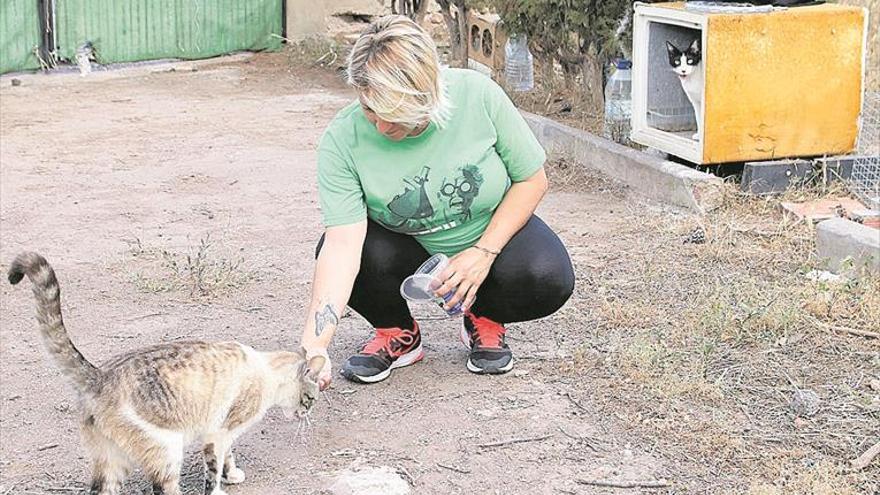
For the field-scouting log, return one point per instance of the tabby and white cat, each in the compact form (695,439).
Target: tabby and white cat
(686,64)
(142,408)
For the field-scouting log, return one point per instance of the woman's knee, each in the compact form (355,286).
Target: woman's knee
(552,282)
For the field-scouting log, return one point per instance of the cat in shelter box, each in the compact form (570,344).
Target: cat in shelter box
(686,65)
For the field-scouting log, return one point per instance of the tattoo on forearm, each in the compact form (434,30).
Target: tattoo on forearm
(324,317)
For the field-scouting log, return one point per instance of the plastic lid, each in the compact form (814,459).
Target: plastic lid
(623,64)
(418,288)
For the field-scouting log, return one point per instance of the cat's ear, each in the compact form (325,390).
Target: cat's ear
(671,48)
(315,365)
(301,369)
(695,46)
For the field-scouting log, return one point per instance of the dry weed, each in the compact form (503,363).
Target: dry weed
(556,98)
(317,52)
(565,175)
(825,478)
(196,270)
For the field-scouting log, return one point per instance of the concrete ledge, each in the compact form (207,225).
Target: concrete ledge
(841,241)
(651,176)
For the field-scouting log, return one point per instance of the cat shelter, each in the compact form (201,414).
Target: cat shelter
(778,82)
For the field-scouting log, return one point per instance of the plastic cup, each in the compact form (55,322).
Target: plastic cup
(420,286)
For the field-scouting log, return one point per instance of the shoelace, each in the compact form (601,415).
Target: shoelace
(487,332)
(385,336)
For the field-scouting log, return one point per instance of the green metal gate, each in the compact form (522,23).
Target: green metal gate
(132,30)
(19,35)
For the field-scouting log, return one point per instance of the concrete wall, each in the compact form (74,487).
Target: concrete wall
(305,18)
(314,17)
(358,7)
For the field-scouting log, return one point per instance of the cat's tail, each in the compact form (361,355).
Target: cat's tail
(73,364)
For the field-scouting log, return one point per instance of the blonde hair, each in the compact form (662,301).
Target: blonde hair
(395,67)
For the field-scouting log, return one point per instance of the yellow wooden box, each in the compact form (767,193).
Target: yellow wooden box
(780,83)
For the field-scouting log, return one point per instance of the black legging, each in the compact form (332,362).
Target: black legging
(531,278)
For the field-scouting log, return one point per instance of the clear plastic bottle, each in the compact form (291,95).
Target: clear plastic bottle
(519,68)
(618,102)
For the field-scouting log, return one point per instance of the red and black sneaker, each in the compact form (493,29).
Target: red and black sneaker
(485,338)
(389,348)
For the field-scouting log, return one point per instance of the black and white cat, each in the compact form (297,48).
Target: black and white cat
(686,64)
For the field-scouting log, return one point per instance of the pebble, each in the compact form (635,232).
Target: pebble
(804,403)
(370,481)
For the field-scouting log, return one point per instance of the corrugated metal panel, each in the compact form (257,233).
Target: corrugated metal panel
(132,30)
(19,35)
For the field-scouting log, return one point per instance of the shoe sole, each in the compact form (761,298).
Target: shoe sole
(411,357)
(489,371)
(465,339)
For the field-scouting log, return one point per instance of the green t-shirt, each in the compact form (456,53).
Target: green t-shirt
(441,186)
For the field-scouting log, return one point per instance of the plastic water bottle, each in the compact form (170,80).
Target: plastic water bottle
(519,67)
(618,102)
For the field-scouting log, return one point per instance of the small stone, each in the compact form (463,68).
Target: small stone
(824,276)
(696,236)
(16,82)
(804,403)
(800,423)
(368,481)
(875,384)
(520,373)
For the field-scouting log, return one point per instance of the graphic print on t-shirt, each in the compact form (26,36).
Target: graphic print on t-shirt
(459,194)
(411,211)
(408,210)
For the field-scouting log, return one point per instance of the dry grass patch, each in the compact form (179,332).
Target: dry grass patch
(202,269)
(559,99)
(705,344)
(824,478)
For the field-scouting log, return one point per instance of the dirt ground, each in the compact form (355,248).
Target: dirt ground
(182,204)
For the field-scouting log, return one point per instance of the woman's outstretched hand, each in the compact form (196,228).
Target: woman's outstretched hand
(466,272)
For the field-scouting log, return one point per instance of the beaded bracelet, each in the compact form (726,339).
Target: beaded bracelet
(485,250)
